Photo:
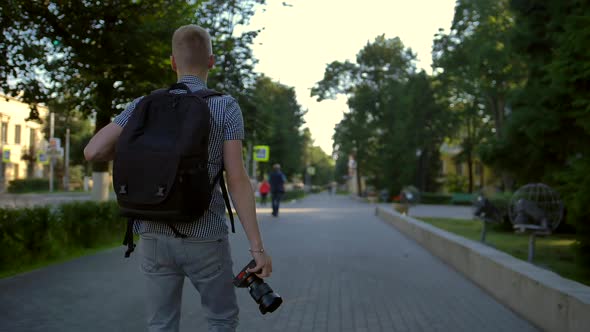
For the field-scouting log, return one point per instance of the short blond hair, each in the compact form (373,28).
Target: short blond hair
(191,47)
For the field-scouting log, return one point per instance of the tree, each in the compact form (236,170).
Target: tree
(476,64)
(233,72)
(101,55)
(378,62)
(98,56)
(393,114)
(278,124)
(476,55)
(548,129)
(315,157)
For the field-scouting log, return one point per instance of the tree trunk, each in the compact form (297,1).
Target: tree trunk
(470,170)
(419,173)
(358,179)
(498,103)
(481,175)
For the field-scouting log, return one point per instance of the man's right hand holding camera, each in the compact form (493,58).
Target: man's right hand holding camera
(263,268)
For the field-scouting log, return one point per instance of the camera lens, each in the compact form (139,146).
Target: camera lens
(269,303)
(267,300)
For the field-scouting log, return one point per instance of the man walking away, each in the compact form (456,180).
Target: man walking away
(198,249)
(277,188)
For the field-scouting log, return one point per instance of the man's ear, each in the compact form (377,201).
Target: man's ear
(211,62)
(173,63)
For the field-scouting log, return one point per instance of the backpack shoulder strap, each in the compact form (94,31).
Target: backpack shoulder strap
(221,180)
(203,93)
(226,199)
(175,86)
(206,93)
(159,91)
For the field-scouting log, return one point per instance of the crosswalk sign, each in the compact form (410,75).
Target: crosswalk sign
(261,153)
(42,158)
(6,155)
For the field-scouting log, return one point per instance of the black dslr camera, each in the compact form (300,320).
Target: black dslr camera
(268,301)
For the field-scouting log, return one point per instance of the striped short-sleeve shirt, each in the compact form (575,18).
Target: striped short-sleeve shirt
(227,124)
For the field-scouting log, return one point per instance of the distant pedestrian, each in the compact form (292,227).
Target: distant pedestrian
(264,190)
(333,186)
(277,188)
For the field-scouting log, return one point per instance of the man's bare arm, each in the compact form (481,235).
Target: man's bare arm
(243,198)
(102,145)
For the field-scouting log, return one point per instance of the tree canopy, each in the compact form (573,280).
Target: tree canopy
(509,89)
(394,123)
(98,56)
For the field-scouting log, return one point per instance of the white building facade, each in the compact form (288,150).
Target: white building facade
(20,140)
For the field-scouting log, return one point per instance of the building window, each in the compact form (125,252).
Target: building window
(4,133)
(17,134)
(16,171)
(32,138)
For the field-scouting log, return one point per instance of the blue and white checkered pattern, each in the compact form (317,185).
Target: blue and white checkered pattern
(227,124)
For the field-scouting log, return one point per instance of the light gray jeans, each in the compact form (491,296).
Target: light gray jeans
(165,261)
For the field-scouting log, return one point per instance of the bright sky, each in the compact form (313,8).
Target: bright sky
(299,40)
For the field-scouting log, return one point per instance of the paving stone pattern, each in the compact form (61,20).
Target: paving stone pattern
(338,267)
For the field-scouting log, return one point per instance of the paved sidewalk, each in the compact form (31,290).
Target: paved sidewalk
(338,267)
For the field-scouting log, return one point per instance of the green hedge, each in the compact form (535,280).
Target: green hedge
(32,235)
(28,185)
(293,194)
(435,198)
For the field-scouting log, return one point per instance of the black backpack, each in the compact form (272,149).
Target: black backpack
(161,166)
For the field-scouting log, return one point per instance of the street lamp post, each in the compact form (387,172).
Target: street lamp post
(419,169)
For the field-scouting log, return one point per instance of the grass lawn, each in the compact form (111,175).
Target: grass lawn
(555,252)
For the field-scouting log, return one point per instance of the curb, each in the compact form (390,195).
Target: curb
(549,301)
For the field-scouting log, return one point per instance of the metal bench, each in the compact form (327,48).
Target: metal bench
(461,198)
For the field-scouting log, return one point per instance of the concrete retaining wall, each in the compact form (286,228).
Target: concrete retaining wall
(544,298)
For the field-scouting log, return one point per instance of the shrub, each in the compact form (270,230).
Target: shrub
(101,223)
(293,194)
(456,183)
(28,185)
(26,235)
(502,203)
(32,235)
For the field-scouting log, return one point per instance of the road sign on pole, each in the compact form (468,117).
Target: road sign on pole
(42,157)
(6,155)
(55,143)
(52,146)
(261,153)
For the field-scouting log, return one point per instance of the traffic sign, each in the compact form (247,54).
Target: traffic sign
(56,153)
(261,153)
(42,157)
(55,143)
(6,155)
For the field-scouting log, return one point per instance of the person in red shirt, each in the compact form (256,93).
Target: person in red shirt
(264,190)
